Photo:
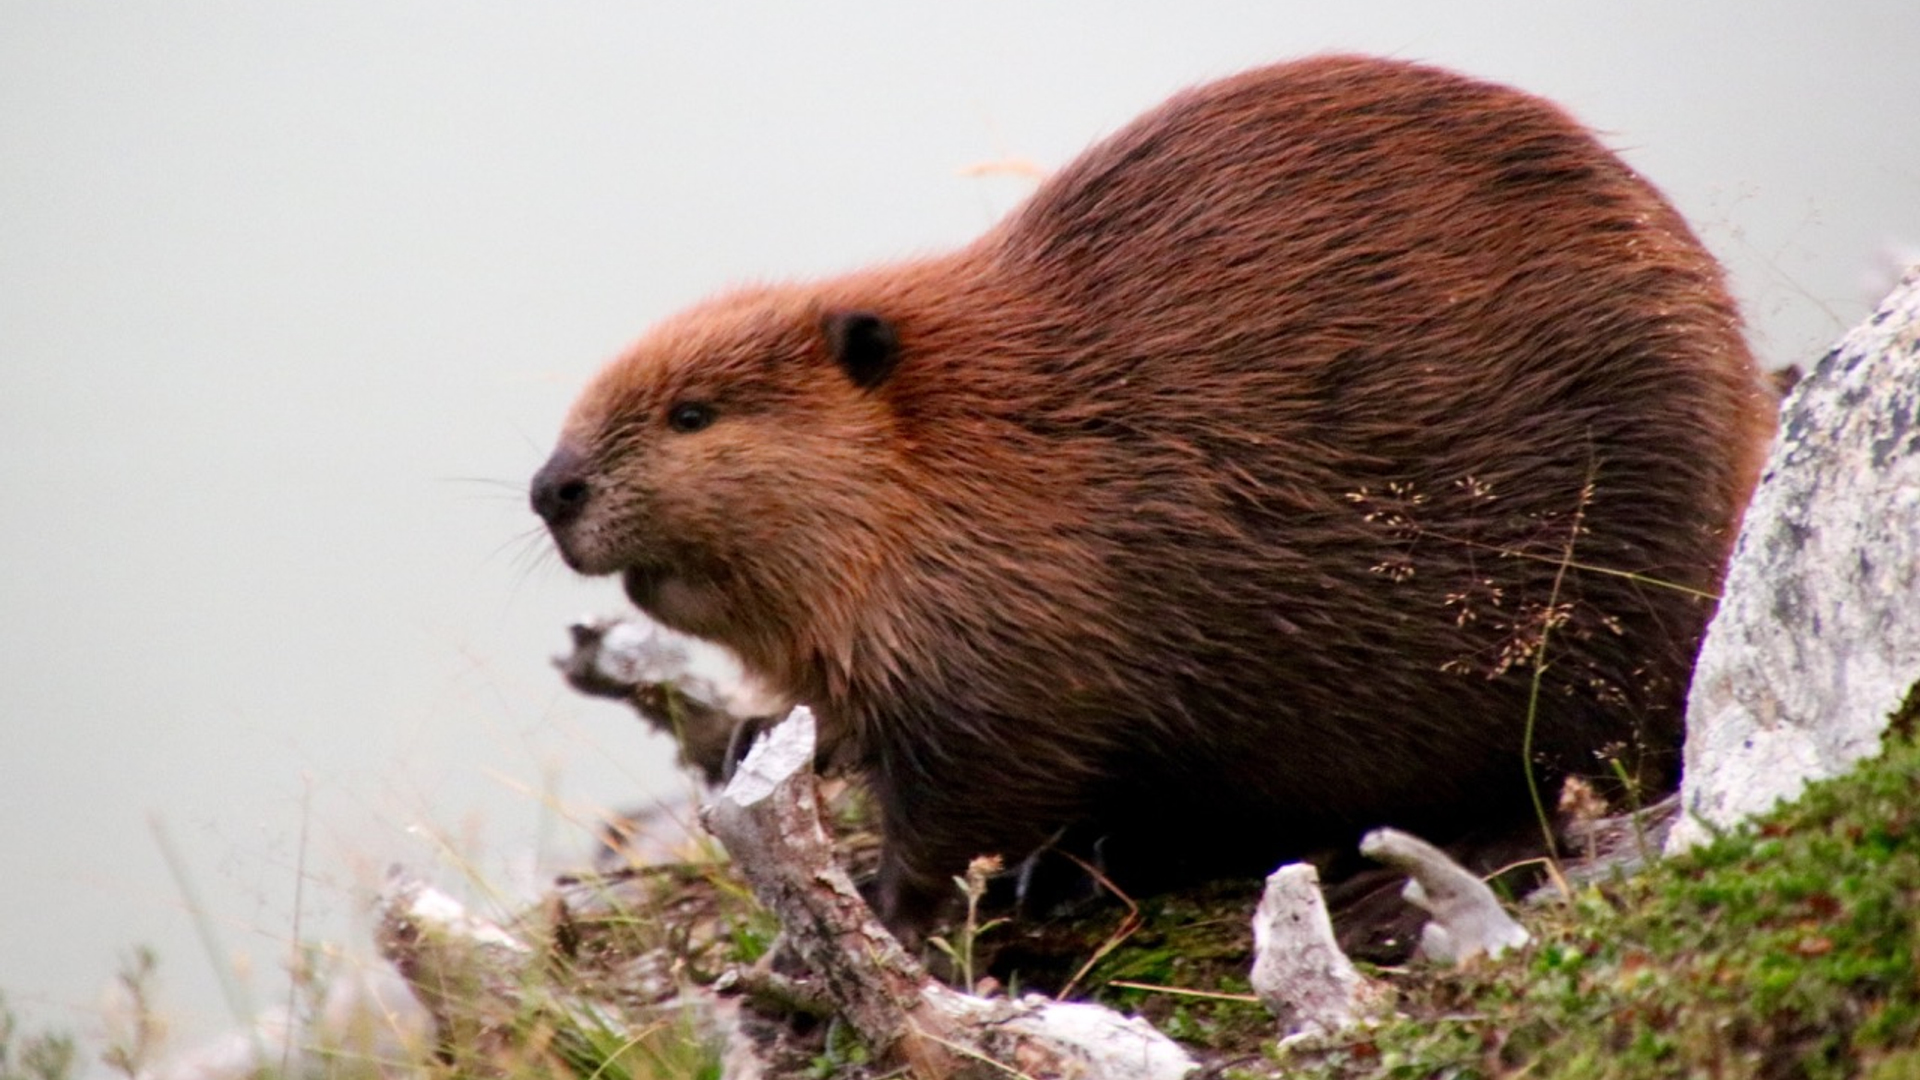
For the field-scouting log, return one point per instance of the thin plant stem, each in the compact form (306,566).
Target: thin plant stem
(230,987)
(299,903)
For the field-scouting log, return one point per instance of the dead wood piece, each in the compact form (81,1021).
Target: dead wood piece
(690,689)
(468,972)
(1468,920)
(1622,845)
(495,1006)
(1299,972)
(1043,1038)
(771,991)
(768,818)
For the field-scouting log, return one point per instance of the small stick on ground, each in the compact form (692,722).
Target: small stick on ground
(1468,920)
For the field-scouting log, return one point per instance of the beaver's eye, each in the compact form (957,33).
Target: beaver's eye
(689,416)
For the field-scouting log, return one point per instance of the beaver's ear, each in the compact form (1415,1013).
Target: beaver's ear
(863,344)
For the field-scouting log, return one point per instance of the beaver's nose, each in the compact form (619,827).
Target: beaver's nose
(560,490)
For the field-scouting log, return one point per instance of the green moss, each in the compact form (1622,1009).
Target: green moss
(1197,941)
(1789,949)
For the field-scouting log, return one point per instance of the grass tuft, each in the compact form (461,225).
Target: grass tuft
(46,1055)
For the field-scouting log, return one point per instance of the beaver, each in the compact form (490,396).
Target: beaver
(1348,442)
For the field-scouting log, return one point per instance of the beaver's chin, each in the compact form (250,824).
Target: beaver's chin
(582,551)
(644,584)
(682,601)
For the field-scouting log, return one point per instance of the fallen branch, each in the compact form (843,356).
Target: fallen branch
(690,689)
(1299,972)
(769,821)
(1468,920)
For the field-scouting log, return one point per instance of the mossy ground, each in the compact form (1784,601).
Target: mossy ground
(1787,949)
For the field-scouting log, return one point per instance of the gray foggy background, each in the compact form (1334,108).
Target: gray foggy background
(292,298)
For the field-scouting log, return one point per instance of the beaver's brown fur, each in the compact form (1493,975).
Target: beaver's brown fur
(1222,499)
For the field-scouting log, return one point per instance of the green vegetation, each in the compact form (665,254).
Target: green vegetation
(23,1056)
(1789,949)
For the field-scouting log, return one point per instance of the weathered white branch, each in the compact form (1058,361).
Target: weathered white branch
(1468,920)
(694,690)
(488,990)
(1299,972)
(768,819)
(469,973)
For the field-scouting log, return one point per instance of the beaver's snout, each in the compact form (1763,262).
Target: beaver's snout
(560,491)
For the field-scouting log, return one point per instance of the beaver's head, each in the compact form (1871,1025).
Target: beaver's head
(734,467)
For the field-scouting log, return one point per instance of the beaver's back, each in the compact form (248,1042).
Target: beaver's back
(1349,389)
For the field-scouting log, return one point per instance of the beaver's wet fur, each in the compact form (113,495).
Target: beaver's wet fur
(1223,499)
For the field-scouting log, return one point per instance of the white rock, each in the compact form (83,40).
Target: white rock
(1817,639)
(429,908)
